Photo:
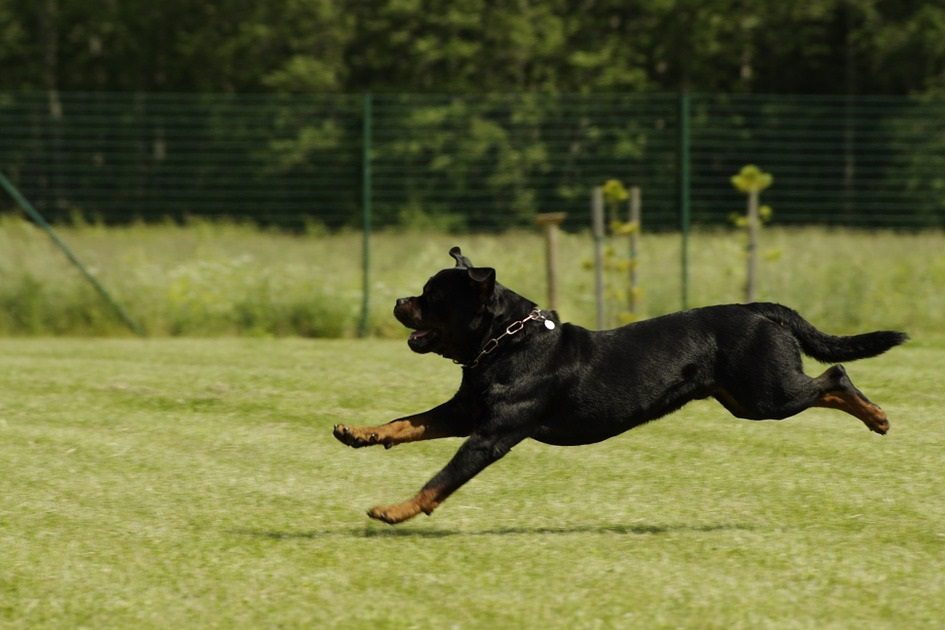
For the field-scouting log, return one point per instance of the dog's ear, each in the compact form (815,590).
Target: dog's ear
(461,261)
(483,278)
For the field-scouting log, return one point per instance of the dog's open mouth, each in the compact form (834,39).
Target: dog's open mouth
(421,340)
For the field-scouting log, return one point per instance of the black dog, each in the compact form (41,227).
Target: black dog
(526,375)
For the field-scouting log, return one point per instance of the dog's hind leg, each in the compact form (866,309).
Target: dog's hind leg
(472,457)
(778,396)
(447,420)
(844,395)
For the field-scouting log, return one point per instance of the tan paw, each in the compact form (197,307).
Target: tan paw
(393,514)
(355,437)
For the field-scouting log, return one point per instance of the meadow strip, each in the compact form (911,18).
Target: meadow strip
(234,279)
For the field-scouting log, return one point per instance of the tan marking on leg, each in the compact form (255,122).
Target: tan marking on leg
(395,432)
(871,415)
(425,501)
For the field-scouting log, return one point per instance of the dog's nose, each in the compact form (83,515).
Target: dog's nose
(402,301)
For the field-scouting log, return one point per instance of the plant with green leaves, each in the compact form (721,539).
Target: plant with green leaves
(751,180)
(621,267)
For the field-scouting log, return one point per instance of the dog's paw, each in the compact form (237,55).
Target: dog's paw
(355,437)
(875,419)
(393,514)
(879,423)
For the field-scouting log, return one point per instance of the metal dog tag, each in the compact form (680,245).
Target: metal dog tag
(550,325)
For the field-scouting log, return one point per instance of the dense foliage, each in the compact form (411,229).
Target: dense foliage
(566,46)
(483,112)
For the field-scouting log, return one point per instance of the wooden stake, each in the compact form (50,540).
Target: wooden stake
(754,223)
(549,222)
(634,244)
(597,220)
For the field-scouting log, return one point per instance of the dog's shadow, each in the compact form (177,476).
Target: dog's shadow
(373,531)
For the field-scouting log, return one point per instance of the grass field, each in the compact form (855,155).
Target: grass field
(228,279)
(195,483)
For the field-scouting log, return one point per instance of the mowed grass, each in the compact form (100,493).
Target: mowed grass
(195,483)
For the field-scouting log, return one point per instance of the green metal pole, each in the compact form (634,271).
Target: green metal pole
(684,183)
(364,324)
(41,222)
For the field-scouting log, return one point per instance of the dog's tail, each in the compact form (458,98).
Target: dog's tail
(829,348)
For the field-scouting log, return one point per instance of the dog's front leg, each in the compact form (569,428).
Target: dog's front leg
(447,420)
(473,456)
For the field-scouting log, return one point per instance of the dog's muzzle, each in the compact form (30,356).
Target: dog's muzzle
(407,312)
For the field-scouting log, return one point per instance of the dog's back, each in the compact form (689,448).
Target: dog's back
(828,348)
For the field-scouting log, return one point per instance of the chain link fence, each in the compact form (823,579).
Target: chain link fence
(470,162)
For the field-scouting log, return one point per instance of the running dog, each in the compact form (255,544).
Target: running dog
(527,375)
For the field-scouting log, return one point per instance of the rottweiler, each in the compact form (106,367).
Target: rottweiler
(527,375)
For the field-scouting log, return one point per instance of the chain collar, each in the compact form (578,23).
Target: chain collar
(511,329)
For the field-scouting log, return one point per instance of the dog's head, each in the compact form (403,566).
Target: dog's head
(449,317)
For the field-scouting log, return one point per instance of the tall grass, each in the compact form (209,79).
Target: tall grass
(230,278)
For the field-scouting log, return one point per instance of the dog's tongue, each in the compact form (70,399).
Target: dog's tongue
(418,334)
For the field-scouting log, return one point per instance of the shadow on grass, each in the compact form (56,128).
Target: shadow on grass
(376,531)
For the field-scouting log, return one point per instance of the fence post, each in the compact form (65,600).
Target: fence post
(754,223)
(597,220)
(366,132)
(637,224)
(549,222)
(684,176)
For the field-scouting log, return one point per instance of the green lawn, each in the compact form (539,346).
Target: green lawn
(195,483)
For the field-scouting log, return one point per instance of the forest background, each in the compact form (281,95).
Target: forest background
(553,46)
